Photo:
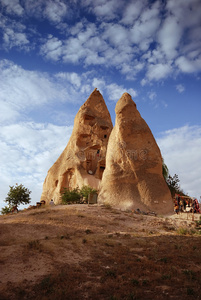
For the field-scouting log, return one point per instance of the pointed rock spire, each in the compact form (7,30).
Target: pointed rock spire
(83,160)
(133,176)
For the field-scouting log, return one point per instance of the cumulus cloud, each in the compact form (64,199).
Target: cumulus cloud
(162,38)
(158,71)
(189,65)
(12,39)
(145,28)
(55,10)
(116,34)
(133,11)
(181,151)
(180,88)
(103,9)
(115,91)
(152,95)
(170,36)
(52,48)
(12,7)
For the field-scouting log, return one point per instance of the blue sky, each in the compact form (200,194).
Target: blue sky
(54,53)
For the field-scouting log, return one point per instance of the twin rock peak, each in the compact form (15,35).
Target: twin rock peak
(124,163)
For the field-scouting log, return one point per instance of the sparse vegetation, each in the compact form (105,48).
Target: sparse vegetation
(70,196)
(17,195)
(80,259)
(6,210)
(76,195)
(34,245)
(86,190)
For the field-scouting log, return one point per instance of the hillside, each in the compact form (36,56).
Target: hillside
(95,252)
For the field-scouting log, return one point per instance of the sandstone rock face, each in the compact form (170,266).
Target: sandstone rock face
(133,176)
(83,160)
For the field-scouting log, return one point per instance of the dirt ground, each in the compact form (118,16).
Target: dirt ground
(96,252)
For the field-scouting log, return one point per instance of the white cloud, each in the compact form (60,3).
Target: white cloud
(26,92)
(152,95)
(143,82)
(13,34)
(27,151)
(180,88)
(52,48)
(22,89)
(116,34)
(14,39)
(7,112)
(73,78)
(170,36)
(145,28)
(158,71)
(55,10)
(105,9)
(188,12)
(100,83)
(115,91)
(124,31)
(188,65)
(181,151)
(13,7)
(133,11)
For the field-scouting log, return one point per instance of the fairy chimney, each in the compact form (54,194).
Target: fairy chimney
(83,160)
(133,176)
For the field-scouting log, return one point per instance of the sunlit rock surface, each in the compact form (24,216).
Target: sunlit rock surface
(133,176)
(83,160)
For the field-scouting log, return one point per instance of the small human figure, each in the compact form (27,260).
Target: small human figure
(176,207)
(196,206)
(52,202)
(178,201)
(184,203)
(181,205)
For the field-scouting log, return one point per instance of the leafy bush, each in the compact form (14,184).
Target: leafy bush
(68,196)
(198,222)
(6,210)
(75,195)
(86,190)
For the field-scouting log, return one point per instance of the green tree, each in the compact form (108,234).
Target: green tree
(75,195)
(86,190)
(17,195)
(165,170)
(173,184)
(68,195)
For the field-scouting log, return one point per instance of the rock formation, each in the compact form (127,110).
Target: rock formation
(83,160)
(133,176)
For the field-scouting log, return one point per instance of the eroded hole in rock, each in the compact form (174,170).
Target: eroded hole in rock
(89,120)
(68,179)
(95,147)
(104,127)
(56,182)
(93,158)
(101,170)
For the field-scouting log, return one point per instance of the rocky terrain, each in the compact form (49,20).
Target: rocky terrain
(96,252)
